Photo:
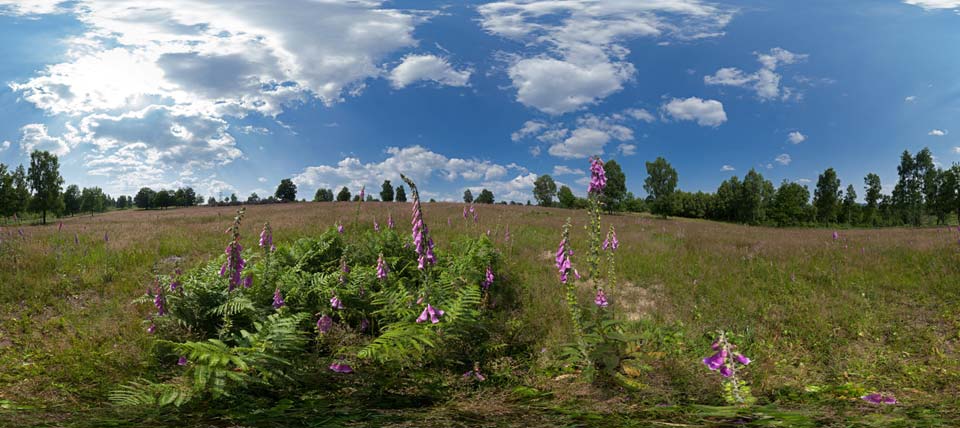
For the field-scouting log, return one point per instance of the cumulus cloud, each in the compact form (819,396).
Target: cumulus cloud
(414,68)
(627,149)
(640,114)
(163,77)
(783,159)
(937,132)
(4,145)
(582,143)
(704,112)
(417,162)
(935,4)
(565,170)
(585,58)
(530,127)
(35,137)
(910,99)
(727,168)
(796,137)
(765,82)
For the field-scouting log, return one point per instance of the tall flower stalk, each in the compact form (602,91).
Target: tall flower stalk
(727,361)
(235,262)
(422,242)
(598,181)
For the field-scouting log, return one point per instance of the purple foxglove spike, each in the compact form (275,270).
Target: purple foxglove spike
(158,302)
(878,398)
(715,345)
(152,328)
(488,279)
(76,239)
(341,368)
(742,359)
(598,177)
(335,303)
(248,281)
(277,299)
(324,324)
(376,226)
(182,361)
(424,315)
(464,212)
(381,268)
(601,299)
(836,235)
(606,244)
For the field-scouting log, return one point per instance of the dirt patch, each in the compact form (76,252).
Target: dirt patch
(636,302)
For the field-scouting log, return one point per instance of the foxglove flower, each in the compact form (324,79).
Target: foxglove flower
(716,361)
(836,235)
(878,398)
(182,361)
(106,237)
(362,190)
(726,371)
(475,374)
(464,211)
(341,368)
(234,264)
(742,359)
(382,268)
(158,301)
(266,237)
(247,281)
(601,299)
(324,324)
(423,244)
(376,226)
(563,261)
(390,220)
(364,324)
(278,299)
(339,227)
(488,279)
(506,234)
(152,328)
(430,312)
(60,227)
(598,177)
(335,303)
(76,238)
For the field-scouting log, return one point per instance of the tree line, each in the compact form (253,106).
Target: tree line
(924,193)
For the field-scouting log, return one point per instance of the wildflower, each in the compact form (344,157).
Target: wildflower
(726,371)
(474,374)
(248,281)
(20,231)
(60,227)
(598,178)
(448,222)
(836,235)
(152,328)
(430,312)
(506,234)
(335,303)
(488,232)
(382,268)
(475,218)
(376,226)
(488,279)
(158,301)
(106,237)
(182,361)
(339,227)
(341,368)
(563,260)
(278,299)
(423,244)
(878,398)
(601,299)
(324,324)
(362,190)
(464,211)
(266,237)
(611,242)
(715,361)
(235,262)
(364,324)
(390,220)
(741,359)
(76,238)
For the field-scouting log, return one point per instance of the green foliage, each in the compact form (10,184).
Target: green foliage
(544,189)
(143,393)
(46,182)
(286,191)
(661,183)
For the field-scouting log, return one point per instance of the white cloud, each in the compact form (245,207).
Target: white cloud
(414,68)
(565,170)
(956,149)
(640,114)
(262,179)
(937,132)
(535,151)
(4,145)
(705,112)
(627,149)
(519,189)
(249,129)
(803,180)
(417,162)
(796,137)
(584,40)
(530,127)
(582,143)
(783,159)
(35,137)
(935,4)
(30,7)
(727,168)
(910,99)
(765,81)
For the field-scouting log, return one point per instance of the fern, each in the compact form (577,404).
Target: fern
(236,305)
(400,343)
(143,393)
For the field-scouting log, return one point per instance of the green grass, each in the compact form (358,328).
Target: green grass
(825,321)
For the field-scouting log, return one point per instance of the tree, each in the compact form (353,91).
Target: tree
(566,197)
(468,196)
(826,196)
(46,182)
(323,195)
(343,195)
(750,203)
(401,194)
(165,198)
(286,191)
(660,184)
(872,196)
(616,188)
(926,174)
(144,198)
(946,197)
(254,198)
(485,197)
(92,199)
(21,191)
(6,191)
(544,189)
(790,204)
(848,212)
(211,201)
(386,191)
(71,200)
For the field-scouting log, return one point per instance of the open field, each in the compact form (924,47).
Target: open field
(824,320)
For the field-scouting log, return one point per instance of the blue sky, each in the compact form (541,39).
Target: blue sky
(232,96)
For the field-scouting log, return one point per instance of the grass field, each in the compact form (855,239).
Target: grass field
(824,320)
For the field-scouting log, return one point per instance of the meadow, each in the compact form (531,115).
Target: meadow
(826,319)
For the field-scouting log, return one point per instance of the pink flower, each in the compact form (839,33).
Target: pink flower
(598,177)
(878,398)
(488,279)
(341,368)
(278,299)
(324,324)
(430,312)
(335,303)
(382,268)
(717,360)
(601,299)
